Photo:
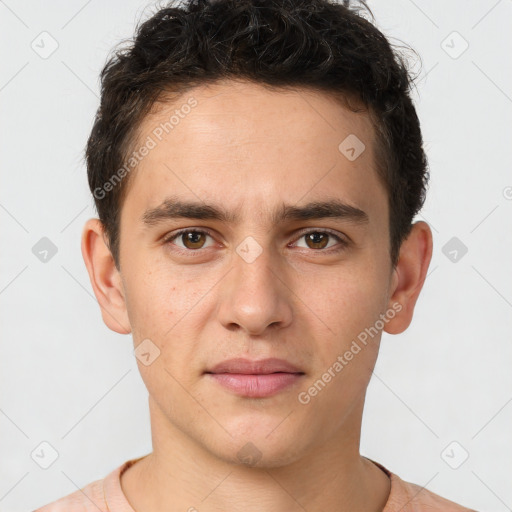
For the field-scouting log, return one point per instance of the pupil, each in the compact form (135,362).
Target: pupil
(318,238)
(191,237)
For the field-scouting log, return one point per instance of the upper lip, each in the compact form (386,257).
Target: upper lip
(253,367)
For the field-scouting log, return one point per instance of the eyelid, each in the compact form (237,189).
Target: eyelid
(342,239)
(175,234)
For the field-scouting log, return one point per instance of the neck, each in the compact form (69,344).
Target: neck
(181,475)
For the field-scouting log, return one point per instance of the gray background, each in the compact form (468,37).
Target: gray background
(441,390)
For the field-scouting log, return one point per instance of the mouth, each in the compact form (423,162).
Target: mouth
(254,367)
(255,379)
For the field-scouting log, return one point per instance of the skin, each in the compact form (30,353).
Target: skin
(250,148)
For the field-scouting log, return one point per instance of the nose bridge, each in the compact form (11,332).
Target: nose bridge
(253,262)
(254,296)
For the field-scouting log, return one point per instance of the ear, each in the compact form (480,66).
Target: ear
(105,278)
(409,275)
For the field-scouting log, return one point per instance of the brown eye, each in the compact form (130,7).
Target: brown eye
(191,239)
(322,241)
(317,240)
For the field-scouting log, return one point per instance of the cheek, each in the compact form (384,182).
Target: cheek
(159,313)
(343,302)
(348,305)
(150,302)
(166,307)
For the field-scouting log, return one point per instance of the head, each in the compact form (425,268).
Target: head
(281,134)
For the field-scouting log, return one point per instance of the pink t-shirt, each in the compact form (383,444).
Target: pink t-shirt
(106,495)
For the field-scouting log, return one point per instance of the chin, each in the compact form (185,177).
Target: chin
(257,449)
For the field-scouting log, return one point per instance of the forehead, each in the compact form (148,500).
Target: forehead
(246,146)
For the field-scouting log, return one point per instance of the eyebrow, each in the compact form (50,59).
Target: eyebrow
(175,208)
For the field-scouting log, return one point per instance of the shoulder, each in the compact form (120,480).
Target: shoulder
(88,499)
(409,497)
(96,496)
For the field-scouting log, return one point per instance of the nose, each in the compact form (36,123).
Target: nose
(255,296)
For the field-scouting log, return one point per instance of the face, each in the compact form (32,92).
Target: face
(276,276)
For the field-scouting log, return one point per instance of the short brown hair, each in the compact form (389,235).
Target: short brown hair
(317,44)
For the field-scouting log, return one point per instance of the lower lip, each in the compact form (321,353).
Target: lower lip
(256,386)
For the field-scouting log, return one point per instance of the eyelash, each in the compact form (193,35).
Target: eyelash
(342,242)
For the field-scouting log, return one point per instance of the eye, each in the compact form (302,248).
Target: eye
(192,239)
(319,239)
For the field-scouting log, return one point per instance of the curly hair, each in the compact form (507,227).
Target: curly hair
(317,44)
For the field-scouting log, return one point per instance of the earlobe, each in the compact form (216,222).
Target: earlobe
(105,278)
(409,276)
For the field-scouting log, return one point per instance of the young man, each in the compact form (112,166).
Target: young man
(256,166)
